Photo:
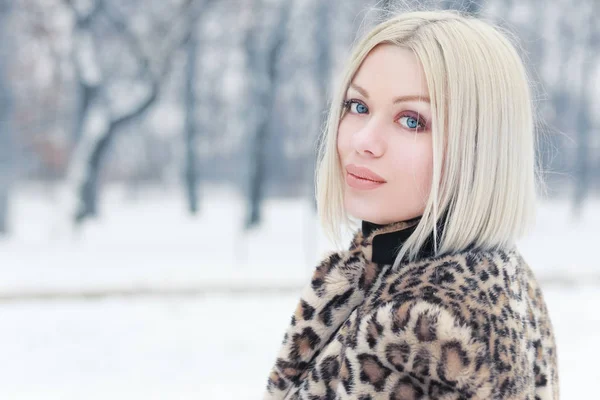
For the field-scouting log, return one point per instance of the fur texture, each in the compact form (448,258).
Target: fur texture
(469,325)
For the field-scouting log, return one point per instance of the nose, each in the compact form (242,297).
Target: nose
(370,140)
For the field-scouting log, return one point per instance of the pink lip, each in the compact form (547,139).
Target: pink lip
(359,183)
(364,173)
(362,178)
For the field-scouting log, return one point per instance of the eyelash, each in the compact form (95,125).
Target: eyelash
(423,124)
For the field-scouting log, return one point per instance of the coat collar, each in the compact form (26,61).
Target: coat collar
(380,243)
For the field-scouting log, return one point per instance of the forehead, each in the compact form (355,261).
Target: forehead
(391,69)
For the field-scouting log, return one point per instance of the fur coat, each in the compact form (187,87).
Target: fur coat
(467,325)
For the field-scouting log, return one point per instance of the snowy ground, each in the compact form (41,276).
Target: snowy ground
(147,303)
(205,347)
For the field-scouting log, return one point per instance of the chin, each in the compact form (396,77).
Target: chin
(365,216)
(360,210)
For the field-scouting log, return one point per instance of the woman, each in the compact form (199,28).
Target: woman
(430,144)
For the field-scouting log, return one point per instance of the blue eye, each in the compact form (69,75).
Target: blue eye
(412,122)
(361,108)
(356,107)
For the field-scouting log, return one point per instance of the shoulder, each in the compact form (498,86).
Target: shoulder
(456,277)
(472,286)
(431,325)
(446,326)
(448,286)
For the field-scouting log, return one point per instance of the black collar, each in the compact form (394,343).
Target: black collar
(388,238)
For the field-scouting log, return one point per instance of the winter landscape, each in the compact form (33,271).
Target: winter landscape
(157,174)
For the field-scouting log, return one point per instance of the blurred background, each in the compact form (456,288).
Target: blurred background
(157,221)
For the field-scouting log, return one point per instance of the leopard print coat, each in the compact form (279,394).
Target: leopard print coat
(468,325)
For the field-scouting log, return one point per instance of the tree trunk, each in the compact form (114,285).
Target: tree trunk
(583,121)
(190,126)
(267,68)
(6,133)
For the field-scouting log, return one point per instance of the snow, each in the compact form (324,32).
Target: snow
(144,348)
(208,347)
(148,303)
(150,242)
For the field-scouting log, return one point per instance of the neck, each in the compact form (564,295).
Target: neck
(382,242)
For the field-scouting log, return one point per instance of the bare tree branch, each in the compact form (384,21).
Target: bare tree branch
(103,122)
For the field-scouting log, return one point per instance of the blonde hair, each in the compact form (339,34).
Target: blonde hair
(484,183)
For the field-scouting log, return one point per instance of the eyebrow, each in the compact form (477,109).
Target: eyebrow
(413,97)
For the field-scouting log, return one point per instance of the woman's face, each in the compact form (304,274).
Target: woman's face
(386,128)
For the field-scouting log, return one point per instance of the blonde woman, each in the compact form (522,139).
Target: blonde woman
(430,144)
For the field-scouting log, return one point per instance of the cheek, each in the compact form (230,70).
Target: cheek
(413,163)
(425,165)
(343,138)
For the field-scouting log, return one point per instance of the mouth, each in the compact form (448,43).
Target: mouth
(364,173)
(359,183)
(364,178)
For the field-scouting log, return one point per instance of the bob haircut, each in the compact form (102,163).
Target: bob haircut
(484,169)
